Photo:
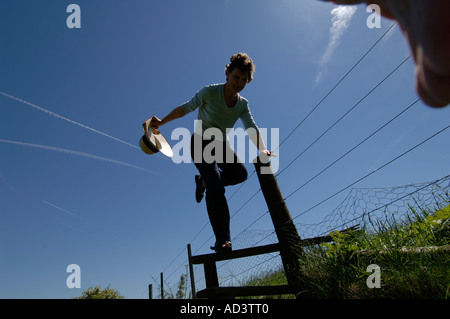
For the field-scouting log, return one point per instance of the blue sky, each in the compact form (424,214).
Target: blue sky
(74,187)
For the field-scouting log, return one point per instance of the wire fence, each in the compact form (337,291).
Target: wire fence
(366,206)
(361,206)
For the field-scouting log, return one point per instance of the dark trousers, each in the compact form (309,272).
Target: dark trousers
(219,167)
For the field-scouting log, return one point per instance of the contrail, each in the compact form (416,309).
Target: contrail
(66,119)
(72,152)
(73,214)
(342,16)
(62,209)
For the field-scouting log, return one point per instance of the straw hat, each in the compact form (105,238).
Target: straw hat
(155,143)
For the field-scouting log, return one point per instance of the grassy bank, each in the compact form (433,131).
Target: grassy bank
(412,257)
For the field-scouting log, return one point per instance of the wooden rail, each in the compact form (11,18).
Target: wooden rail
(240,253)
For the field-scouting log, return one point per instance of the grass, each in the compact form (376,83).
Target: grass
(339,269)
(269,278)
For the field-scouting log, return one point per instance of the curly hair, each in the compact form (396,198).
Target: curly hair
(243,62)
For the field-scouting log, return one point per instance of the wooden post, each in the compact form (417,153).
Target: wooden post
(191,271)
(211,274)
(162,286)
(288,237)
(150,291)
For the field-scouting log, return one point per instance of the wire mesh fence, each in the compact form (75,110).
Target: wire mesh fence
(366,206)
(362,206)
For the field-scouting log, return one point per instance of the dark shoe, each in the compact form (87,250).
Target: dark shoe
(199,189)
(224,248)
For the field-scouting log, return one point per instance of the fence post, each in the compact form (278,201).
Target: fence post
(191,271)
(288,237)
(150,291)
(162,286)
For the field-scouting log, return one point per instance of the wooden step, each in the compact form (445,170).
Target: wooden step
(240,253)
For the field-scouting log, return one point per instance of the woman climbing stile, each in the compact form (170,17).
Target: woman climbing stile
(219,107)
